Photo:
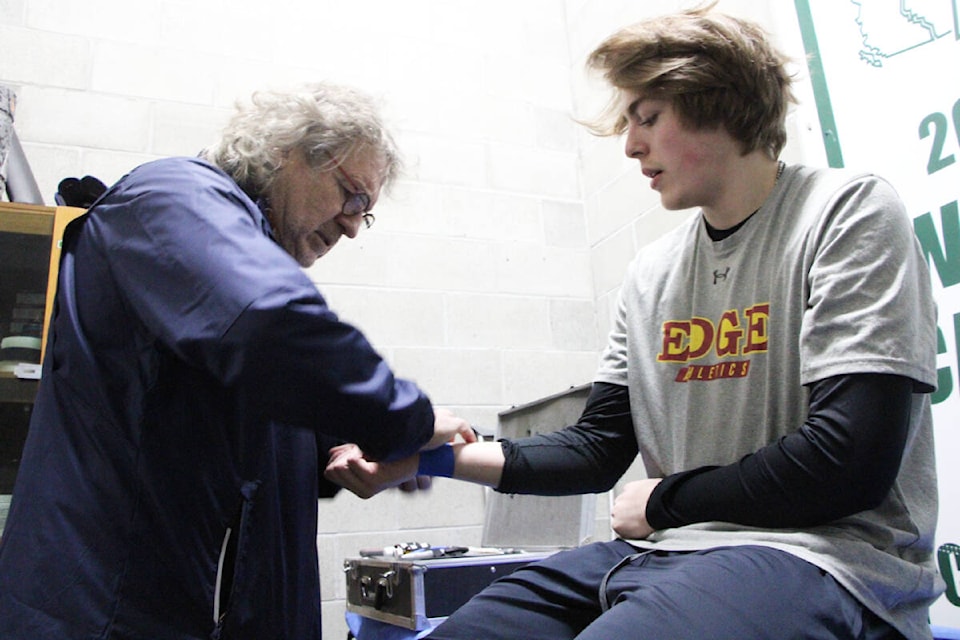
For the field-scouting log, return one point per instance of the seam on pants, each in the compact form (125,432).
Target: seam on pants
(602,595)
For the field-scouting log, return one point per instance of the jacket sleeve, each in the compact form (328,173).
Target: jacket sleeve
(194,260)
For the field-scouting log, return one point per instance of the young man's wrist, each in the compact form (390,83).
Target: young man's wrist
(437,462)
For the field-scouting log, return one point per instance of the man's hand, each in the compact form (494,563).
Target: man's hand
(629,513)
(447,427)
(350,469)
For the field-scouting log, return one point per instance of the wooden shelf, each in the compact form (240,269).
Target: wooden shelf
(30,239)
(26,218)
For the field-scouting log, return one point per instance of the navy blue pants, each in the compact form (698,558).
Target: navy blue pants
(612,591)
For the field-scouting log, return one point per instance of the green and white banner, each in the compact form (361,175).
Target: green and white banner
(886,77)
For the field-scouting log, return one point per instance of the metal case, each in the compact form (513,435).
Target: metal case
(409,593)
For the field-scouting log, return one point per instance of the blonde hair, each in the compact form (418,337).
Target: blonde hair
(716,70)
(324,120)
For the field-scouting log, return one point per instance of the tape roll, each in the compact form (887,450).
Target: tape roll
(20,349)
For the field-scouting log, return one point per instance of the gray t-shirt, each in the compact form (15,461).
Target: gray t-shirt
(716,340)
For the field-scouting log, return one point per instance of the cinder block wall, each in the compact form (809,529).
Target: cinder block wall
(493,268)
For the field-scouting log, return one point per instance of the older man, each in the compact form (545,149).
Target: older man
(194,377)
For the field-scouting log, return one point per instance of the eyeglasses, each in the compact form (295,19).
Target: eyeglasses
(355,201)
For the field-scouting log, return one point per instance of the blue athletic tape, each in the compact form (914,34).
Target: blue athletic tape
(437,462)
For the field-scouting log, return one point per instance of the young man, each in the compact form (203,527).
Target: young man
(769,363)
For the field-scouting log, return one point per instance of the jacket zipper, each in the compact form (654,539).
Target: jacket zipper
(217,614)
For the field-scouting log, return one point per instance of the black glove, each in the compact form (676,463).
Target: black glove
(82,192)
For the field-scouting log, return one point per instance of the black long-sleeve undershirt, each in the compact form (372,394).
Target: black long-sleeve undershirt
(842,460)
(588,457)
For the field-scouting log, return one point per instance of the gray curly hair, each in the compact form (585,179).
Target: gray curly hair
(324,120)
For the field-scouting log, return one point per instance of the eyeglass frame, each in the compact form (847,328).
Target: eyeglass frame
(354,194)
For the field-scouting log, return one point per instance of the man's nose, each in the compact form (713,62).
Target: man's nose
(351,225)
(635,146)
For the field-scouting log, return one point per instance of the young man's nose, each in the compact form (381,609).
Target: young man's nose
(635,146)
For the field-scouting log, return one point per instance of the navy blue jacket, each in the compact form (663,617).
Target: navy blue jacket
(194,378)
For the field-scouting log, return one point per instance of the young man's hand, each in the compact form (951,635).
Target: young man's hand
(629,513)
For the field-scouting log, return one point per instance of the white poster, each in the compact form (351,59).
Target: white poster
(886,75)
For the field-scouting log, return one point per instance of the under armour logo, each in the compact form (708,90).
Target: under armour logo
(720,275)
